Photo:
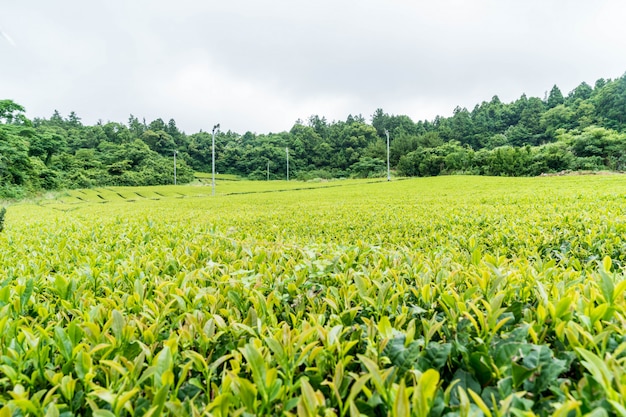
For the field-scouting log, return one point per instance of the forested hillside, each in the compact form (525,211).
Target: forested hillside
(583,130)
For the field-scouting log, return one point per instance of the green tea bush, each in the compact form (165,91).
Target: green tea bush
(447,296)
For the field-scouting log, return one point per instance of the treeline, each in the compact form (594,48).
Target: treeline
(57,153)
(584,130)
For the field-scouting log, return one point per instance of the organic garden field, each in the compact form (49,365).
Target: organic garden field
(468,296)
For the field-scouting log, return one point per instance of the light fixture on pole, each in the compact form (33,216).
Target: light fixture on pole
(175,152)
(388,173)
(216,127)
(287,151)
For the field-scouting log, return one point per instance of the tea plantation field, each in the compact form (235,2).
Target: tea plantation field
(446,296)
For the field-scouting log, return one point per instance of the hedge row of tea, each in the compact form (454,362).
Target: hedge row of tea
(454,296)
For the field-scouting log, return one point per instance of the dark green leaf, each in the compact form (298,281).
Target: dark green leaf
(403,358)
(480,364)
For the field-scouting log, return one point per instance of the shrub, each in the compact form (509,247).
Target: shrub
(3,211)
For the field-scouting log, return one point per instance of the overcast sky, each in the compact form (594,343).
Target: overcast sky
(259,65)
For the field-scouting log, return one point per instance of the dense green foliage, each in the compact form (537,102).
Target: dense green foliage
(585,130)
(449,296)
(62,153)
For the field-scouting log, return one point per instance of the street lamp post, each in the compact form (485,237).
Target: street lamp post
(388,173)
(216,127)
(287,151)
(175,152)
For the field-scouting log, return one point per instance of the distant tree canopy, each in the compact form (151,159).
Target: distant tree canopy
(584,130)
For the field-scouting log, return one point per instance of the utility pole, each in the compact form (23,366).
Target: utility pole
(216,127)
(388,173)
(175,152)
(287,150)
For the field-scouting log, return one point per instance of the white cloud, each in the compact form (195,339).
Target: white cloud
(259,66)
(205,91)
